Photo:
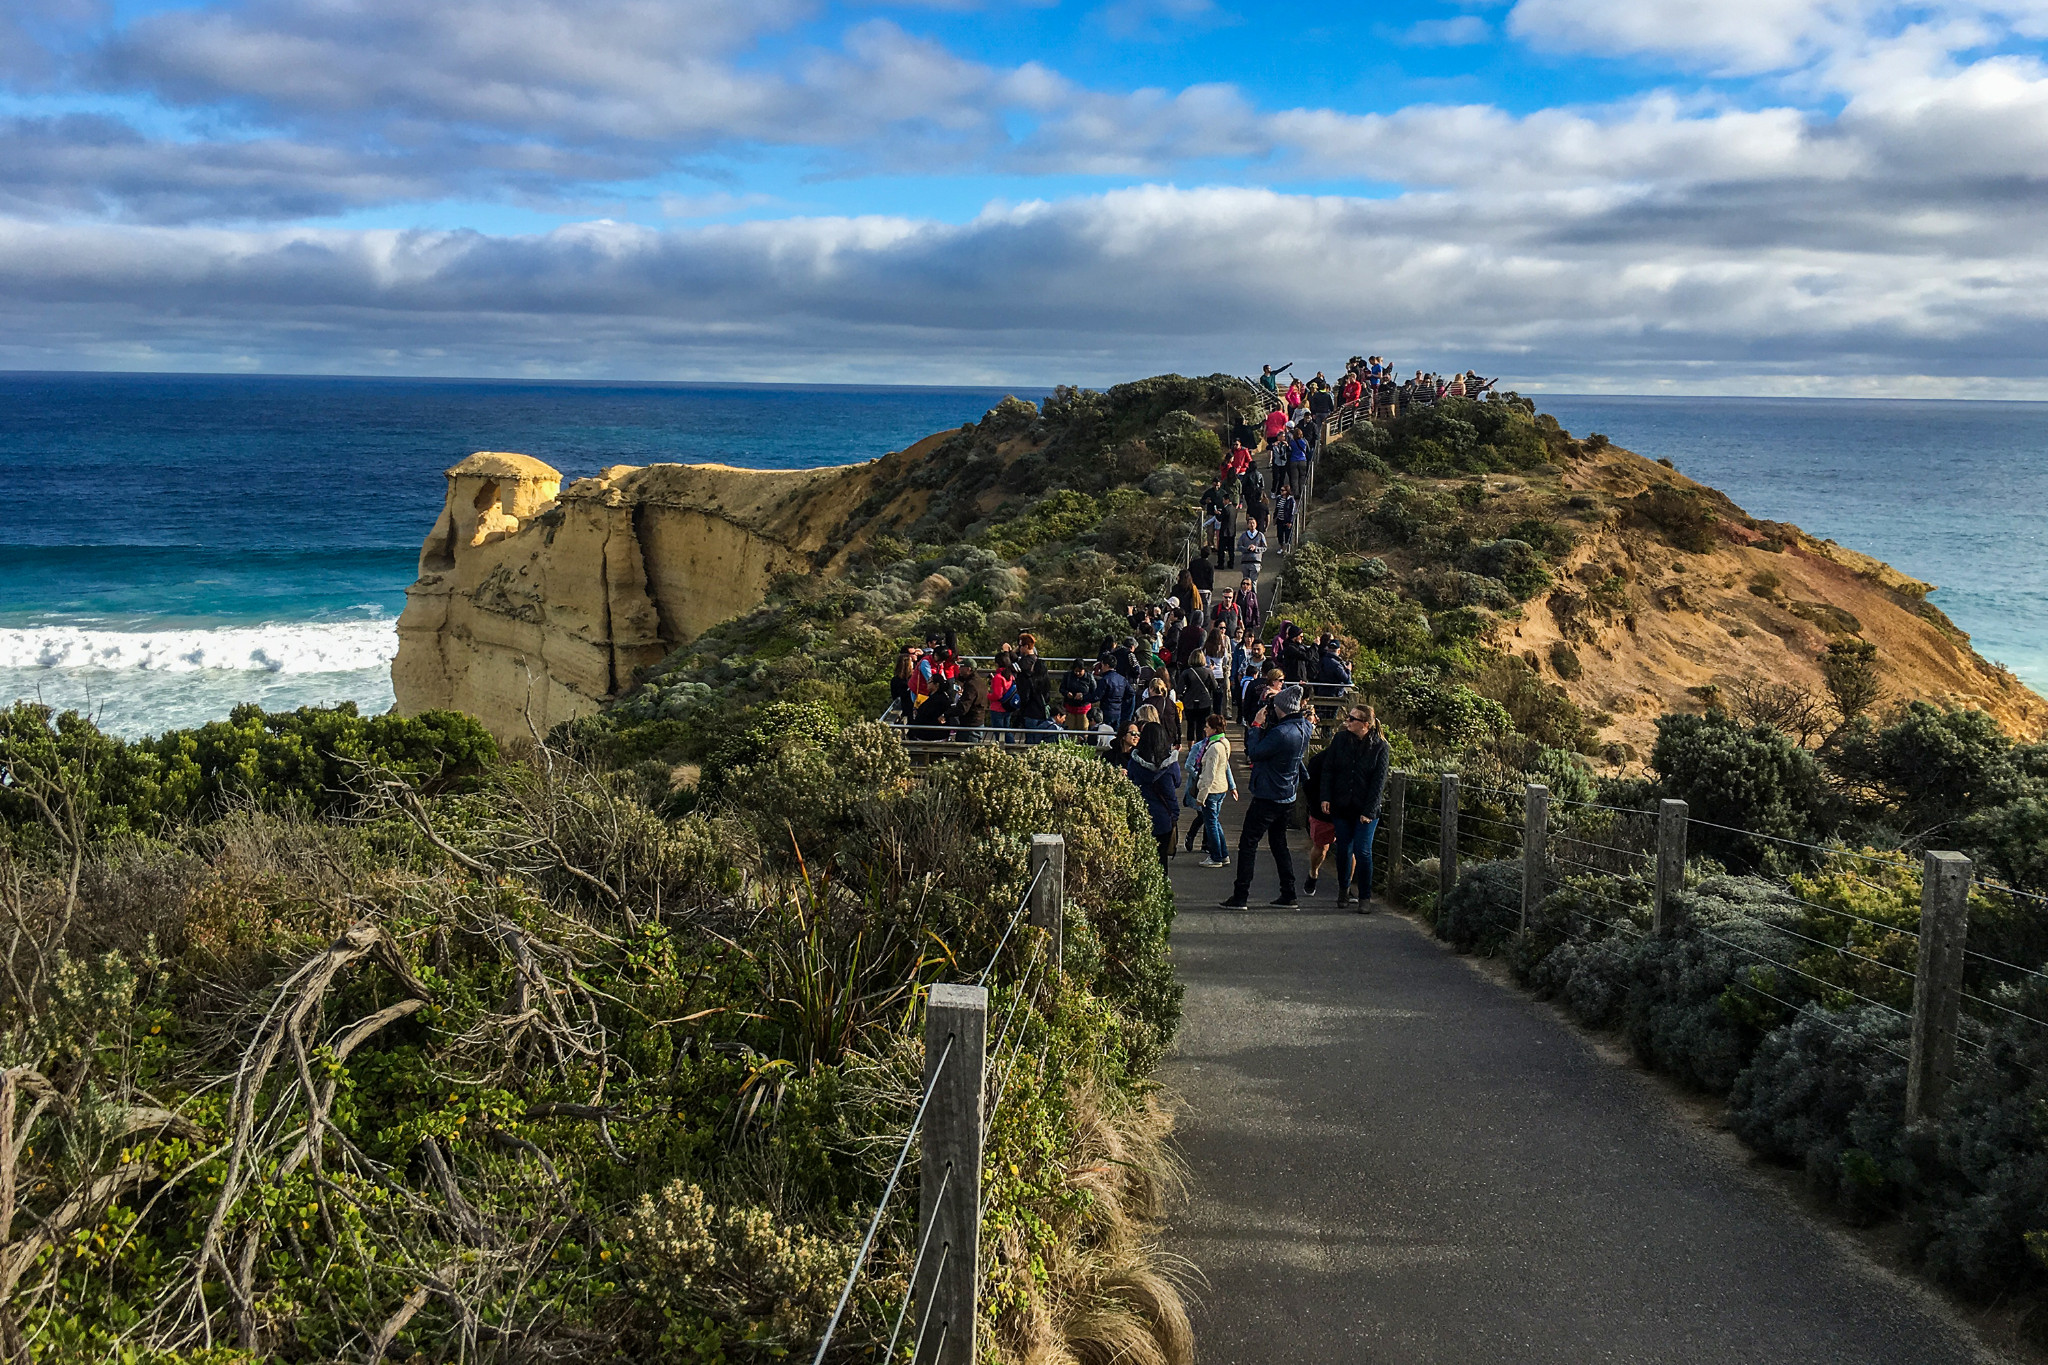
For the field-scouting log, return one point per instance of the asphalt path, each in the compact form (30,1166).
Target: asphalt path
(1395,1158)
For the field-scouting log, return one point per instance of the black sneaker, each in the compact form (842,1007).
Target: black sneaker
(1283,902)
(1234,903)
(1343,898)
(1309,886)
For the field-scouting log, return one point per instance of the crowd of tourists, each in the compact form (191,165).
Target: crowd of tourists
(1371,381)
(1159,700)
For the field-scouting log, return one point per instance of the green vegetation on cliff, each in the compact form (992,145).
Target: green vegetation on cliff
(329,1038)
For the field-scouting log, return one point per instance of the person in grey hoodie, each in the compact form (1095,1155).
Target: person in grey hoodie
(1276,740)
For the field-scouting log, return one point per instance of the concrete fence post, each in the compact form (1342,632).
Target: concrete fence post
(1049,897)
(949,1177)
(1671,818)
(1535,834)
(1447,837)
(1938,981)
(1395,804)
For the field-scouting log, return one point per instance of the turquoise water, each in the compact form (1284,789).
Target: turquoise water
(178,544)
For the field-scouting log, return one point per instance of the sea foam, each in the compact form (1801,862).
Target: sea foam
(300,647)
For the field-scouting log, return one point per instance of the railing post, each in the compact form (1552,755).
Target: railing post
(1938,981)
(949,1176)
(1395,804)
(1671,818)
(1535,834)
(1049,897)
(1447,837)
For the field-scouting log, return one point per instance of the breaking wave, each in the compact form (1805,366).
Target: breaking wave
(304,647)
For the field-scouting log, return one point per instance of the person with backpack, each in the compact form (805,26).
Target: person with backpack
(1196,687)
(1283,519)
(1210,779)
(1275,745)
(1353,784)
(1251,550)
(1033,705)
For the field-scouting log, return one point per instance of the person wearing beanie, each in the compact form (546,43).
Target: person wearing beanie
(1278,739)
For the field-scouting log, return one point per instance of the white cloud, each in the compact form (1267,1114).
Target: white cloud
(1636,287)
(1461,31)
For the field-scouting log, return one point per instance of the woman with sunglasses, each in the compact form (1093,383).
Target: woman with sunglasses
(1354,779)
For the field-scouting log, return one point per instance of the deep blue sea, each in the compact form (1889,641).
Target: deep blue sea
(177,544)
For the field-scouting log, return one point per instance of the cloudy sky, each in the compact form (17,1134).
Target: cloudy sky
(1749,196)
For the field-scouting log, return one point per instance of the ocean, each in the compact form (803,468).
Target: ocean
(180,544)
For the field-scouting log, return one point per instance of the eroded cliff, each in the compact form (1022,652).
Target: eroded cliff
(537,603)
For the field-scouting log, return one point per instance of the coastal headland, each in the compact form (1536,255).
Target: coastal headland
(536,604)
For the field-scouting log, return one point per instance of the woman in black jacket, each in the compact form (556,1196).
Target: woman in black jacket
(1354,779)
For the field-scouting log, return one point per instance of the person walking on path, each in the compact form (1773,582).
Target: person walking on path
(1354,780)
(1251,549)
(1275,748)
(1153,766)
(1283,518)
(1196,687)
(1212,781)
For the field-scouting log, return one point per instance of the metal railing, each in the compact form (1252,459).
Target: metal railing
(1622,871)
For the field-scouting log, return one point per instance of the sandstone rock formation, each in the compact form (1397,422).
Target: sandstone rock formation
(536,603)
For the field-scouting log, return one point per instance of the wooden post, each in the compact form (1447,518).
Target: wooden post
(1447,837)
(1395,804)
(1938,981)
(1671,818)
(955,1030)
(1535,834)
(1049,899)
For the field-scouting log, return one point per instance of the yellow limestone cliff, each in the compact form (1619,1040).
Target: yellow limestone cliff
(536,603)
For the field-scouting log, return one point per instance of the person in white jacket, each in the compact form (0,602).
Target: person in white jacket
(1213,781)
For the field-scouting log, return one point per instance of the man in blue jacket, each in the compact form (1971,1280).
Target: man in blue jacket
(1277,738)
(1112,694)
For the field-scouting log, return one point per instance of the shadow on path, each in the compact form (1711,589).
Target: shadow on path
(1396,1160)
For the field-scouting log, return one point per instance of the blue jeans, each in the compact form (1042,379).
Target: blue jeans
(1212,827)
(1353,848)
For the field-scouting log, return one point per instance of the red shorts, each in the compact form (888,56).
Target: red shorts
(1322,833)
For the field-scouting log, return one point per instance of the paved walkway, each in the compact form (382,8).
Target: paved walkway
(1397,1160)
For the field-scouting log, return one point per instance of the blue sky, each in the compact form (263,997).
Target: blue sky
(1782,196)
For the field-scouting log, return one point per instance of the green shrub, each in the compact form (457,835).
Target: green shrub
(1484,908)
(1751,779)
(1826,1093)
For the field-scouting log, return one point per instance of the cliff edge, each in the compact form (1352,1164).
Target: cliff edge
(537,603)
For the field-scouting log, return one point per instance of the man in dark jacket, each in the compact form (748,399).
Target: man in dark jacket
(1112,694)
(1278,738)
(1354,779)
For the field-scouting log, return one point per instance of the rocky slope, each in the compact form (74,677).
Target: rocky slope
(1643,622)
